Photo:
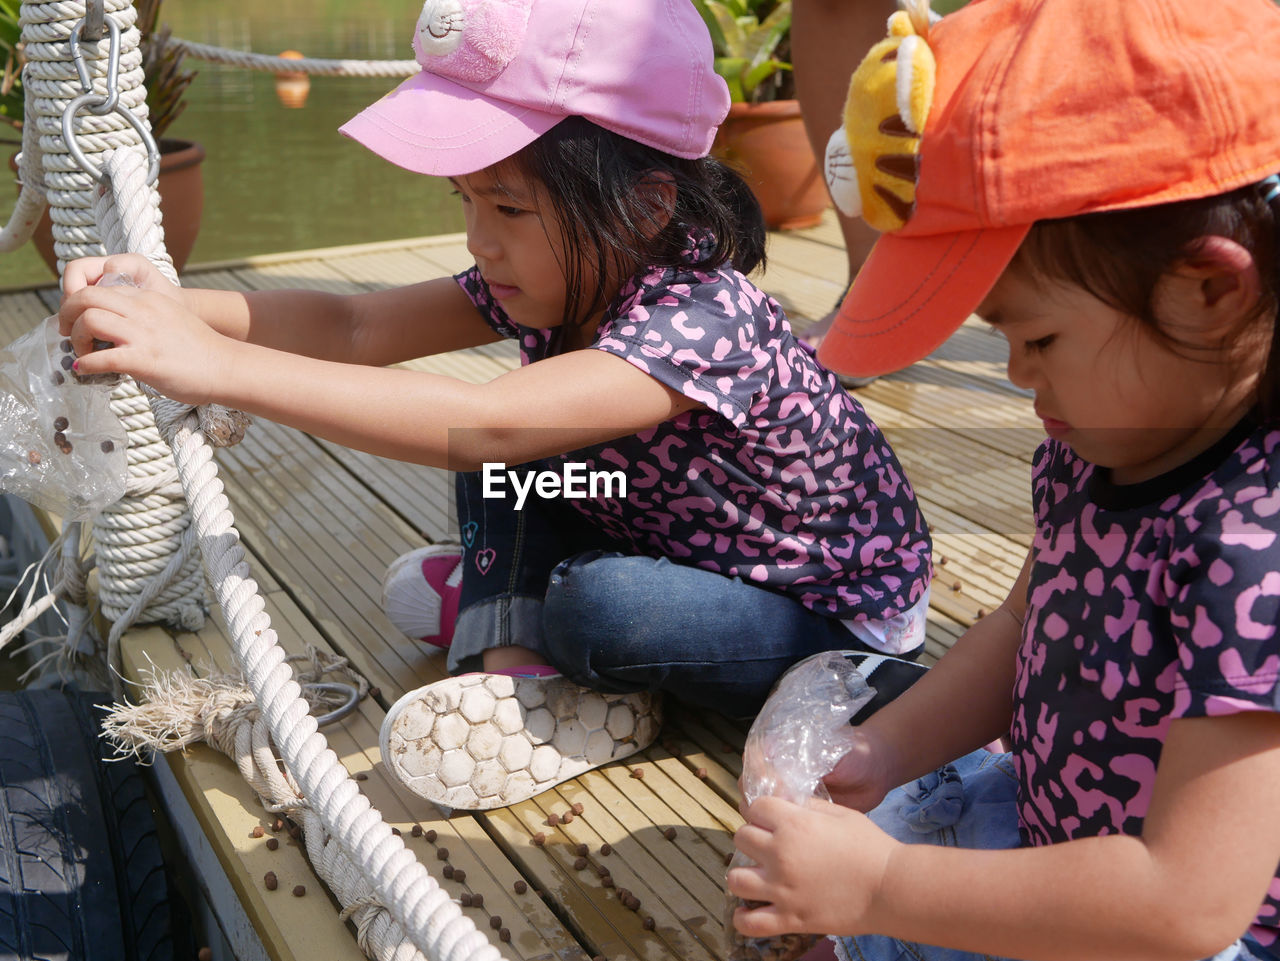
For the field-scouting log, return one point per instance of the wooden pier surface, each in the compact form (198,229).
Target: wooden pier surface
(320,524)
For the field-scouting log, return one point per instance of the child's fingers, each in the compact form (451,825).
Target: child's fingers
(752,840)
(748,882)
(762,922)
(81,273)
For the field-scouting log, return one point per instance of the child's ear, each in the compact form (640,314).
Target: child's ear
(656,193)
(1212,288)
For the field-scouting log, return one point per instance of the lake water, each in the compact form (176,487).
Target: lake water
(279,179)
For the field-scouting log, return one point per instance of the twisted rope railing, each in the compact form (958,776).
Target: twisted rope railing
(123,215)
(309,65)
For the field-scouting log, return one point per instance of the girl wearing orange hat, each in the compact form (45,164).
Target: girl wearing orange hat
(1094,179)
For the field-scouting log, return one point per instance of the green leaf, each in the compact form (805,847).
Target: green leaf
(732,69)
(772,31)
(758,74)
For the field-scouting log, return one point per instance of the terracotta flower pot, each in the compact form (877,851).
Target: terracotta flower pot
(767,144)
(181,188)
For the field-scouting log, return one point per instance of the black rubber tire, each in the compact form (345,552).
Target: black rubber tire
(82,873)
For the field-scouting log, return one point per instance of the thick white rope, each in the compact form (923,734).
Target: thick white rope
(147,568)
(127,211)
(308,65)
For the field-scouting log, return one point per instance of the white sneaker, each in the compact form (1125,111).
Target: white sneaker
(482,741)
(420,592)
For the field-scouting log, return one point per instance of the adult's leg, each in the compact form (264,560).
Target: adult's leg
(829,38)
(621,623)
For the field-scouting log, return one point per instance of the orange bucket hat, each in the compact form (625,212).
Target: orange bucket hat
(961,132)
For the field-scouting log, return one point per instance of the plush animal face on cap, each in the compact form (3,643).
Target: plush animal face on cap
(470,39)
(873,160)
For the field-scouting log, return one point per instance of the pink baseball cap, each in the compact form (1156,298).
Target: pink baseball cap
(497,74)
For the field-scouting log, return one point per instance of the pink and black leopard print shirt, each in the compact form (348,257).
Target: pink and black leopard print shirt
(780,478)
(1147,603)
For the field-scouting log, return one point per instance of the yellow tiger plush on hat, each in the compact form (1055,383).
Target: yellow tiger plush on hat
(873,160)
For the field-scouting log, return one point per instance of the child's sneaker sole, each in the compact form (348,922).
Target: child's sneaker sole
(482,741)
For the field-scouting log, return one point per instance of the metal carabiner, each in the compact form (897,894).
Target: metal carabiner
(108,103)
(98,174)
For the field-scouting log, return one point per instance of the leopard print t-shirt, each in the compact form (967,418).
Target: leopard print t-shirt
(1147,603)
(779,477)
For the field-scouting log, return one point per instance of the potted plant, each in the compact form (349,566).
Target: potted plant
(181,184)
(764,137)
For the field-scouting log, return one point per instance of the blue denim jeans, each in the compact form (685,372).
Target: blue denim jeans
(545,578)
(970,803)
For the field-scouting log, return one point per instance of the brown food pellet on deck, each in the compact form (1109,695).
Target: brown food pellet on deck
(606,849)
(520,887)
(649,924)
(942,560)
(416,830)
(552,820)
(567,817)
(442,854)
(579,863)
(638,773)
(299,890)
(578,808)
(459,875)
(448,872)
(477,900)
(504,935)
(205,954)
(464,899)
(396,832)
(257,831)
(701,773)
(270,881)
(495,922)
(581,850)
(607,881)
(669,834)
(277,824)
(361,776)
(539,839)
(272,843)
(430,835)
(955,585)
(602,870)
(375,692)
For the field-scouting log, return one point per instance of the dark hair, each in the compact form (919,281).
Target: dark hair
(609,223)
(1119,257)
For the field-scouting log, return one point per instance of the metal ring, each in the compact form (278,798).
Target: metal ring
(68,137)
(113,66)
(342,710)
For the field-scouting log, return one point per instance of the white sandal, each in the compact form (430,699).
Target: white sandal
(482,741)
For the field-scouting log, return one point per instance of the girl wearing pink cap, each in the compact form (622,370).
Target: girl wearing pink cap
(750,513)
(1096,180)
